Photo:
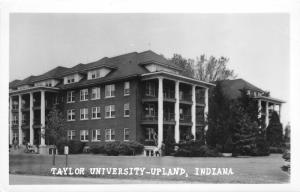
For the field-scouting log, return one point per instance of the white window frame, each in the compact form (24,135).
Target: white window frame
(110,91)
(85,134)
(71,134)
(85,113)
(15,120)
(70,79)
(97,92)
(96,110)
(84,95)
(96,137)
(126,108)
(125,134)
(126,88)
(70,94)
(15,136)
(150,89)
(109,133)
(109,109)
(70,113)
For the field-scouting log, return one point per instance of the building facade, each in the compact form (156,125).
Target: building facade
(133,97)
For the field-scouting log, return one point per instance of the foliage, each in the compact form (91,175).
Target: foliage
(169,142)
(117,148)
(261,146)
(55,129)
(274,131)
(219,127)
(279,150)
(186,64)
(195,149)
(75,147)
(205,69)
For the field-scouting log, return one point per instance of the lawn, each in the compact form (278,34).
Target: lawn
(245,169)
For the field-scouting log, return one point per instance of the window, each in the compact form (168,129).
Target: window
(84,93)
(95,74)
(48,83)
(71,134)
(150,89)
(96,135)
(150,134)
(110,90)
(126,88)
(96,93)
(70,97)
(126,110)
(109,134)
(15,136)
(126,134)
(150,110)
(110,111)
(70,79)
(84,135)
(96,113)
(84,114)
(71,115)
(15,120)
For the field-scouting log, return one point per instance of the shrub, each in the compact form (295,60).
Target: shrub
(75,147)
(60,145)
(276,150)
(97,148)
(131,148)
(112,148)
(195,149)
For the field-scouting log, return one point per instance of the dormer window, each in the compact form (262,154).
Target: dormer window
(98,73)
(71,79)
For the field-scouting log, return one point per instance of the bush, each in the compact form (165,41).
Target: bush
(276,150)
(75,147)
(131,148)
(195,149)
(112,148)
(97,148)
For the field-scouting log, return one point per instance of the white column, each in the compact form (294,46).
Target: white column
(177,115)
(20,121)
(259,110)
(194,111)
(160,111)
(267,114)
(206,110)
(279,112)
(31,135)
(42,117)
(10,121)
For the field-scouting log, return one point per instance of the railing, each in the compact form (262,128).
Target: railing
(169,94)
(150,117)
(200,99)
(15,107)
(186,97)
(186,118)
(169,116)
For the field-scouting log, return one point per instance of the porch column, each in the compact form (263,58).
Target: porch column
(10,121)
(160,111)
(259,110)
(20,121)
(279,112)
(31,119)
(194,111)
(206,112)
(267,114)
(177,115)
(42,117)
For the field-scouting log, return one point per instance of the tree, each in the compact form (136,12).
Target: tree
(218,126)
(209,70)
(274,131)
(186,64)
(55,130)
(213,69)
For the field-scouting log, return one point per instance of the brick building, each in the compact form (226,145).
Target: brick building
(132,97)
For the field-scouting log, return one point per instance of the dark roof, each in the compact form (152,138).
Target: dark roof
(125,65)
(14,83)
(232,88)
(52,74)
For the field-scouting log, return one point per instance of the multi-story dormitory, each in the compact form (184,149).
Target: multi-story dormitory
(132,97)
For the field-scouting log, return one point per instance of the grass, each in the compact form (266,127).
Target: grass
(246,169)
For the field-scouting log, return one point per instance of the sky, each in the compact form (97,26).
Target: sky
(257,45)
